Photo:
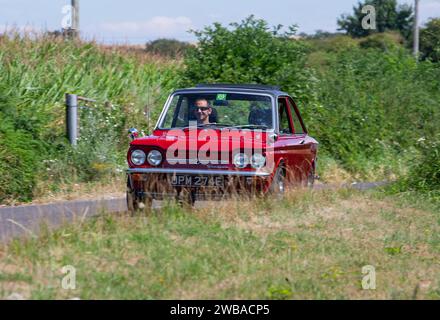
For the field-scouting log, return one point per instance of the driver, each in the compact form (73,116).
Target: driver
(202,111)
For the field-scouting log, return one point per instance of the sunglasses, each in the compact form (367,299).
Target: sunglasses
(202,108)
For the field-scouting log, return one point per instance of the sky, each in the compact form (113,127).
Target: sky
(139,21)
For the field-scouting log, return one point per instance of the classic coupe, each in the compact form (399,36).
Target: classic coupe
(217,140)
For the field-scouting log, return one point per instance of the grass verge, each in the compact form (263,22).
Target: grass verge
(311,245)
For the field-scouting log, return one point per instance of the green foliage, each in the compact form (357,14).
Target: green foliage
(383,41)
(425,172)
(332,44)
(323,48)
(19,162)
(430,40)
(319,35)
(364,102)
(34,77)
(373,106)
(250,52)
(19,152)
(389,17)
(100,151)
(280,293)
(167,47)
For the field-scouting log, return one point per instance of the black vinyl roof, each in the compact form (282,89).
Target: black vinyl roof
(238,86)
(273,90)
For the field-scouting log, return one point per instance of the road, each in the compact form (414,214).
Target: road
(27,220)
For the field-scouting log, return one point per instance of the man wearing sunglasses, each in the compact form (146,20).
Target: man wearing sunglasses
(202,111)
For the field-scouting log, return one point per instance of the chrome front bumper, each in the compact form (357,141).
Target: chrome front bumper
(200,172)
(235,181)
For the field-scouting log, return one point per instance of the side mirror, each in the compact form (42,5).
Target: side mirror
(133,133)
(273,137)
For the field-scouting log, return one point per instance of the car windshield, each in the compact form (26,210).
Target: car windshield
(219,109)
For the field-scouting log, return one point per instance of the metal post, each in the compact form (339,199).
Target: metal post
(416,30)
(72,118)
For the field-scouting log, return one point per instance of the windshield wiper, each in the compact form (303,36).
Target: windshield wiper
(207,125)
(251,126)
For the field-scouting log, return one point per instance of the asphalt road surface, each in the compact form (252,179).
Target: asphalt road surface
(27,220)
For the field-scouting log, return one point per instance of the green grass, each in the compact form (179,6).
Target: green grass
(311,245)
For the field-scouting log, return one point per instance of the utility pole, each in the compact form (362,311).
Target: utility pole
(416,30)
(75,18)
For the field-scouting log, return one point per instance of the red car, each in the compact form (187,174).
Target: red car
(220,139)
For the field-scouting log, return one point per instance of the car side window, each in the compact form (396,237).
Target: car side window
(182,116)
(283,116)
(297,127)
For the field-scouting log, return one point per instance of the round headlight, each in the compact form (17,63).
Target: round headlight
(138,157)
(241,160)
(258,161)
(154,158)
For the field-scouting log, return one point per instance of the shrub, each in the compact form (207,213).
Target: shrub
(167,47)
(425,171)
(98,153)
(20,152)
(20,157)
(336,43)
(430,40)
(371,104)
(250,52)
(383,41)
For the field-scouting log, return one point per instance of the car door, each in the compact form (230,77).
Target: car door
(289,146)
(305,146)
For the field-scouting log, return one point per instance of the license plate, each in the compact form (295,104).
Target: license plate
(197,181)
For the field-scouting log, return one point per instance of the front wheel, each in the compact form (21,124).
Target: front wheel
(135,203)
(186,198)
(311,178)
(132,203)
(278,186)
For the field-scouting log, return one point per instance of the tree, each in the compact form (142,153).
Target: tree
(389,17)
(167,47)
(430,40)
(250,52)
(320,34)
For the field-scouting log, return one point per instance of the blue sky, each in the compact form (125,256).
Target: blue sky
(136,21)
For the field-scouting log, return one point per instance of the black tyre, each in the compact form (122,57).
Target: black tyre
(311,178)
(132,204)
(187,198)
(135,203)
(278,186)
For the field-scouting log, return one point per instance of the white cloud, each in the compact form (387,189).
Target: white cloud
(158,26)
